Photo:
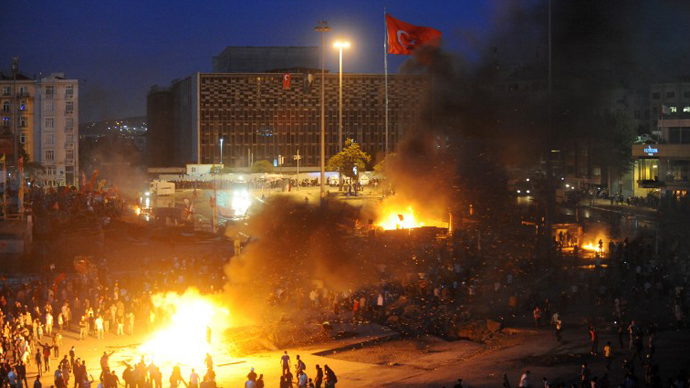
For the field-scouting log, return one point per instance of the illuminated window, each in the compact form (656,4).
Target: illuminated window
(673,109)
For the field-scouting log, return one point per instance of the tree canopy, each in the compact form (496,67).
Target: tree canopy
(345,160)
(262,166)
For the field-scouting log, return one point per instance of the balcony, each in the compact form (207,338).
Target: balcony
(69,111)
(23,93)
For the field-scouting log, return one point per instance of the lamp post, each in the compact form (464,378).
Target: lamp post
(340,46)
(221,149)
(322,27)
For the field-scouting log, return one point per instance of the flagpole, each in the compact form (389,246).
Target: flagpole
(4,188)
(385,72)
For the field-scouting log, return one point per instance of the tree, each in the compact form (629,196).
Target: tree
(262,166)
(346,160)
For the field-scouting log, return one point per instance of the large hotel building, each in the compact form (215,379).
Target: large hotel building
(260,117)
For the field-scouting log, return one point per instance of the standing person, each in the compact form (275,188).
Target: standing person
(584,375)
(319,377)
(193,380)
(104,360)
(49,324)
(37,382)
(506,382)
(39,366)
(331,378)
(72,354)
(537,316)
(608,355)
(594,340)
(524,380)
(57,342)
(208,361)
(301,379)
(260,382)
(99,327)
(559,329)
(299,366)
(176,377)
(285,362)
(83,328)
(45,350)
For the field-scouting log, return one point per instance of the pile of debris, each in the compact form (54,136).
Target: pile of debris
(416,318)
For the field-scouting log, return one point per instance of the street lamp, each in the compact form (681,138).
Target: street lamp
(322,27)
(340,46)
(221,149)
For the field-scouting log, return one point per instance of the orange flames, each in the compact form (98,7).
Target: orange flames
(400,220)
(393,217)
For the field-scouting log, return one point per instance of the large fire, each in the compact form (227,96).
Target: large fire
(400,220)
(196,324)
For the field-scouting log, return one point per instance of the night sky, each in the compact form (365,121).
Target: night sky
(119,49)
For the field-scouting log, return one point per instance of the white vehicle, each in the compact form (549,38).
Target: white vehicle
(363,180)
(158,187)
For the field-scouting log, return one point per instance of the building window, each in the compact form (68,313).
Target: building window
(50,155)
(686,95)
(6,91)
(50,106)
(50,139)
(23,91)
(670,94)
(69,140)
(22,137)
(5,121)
(50,90)
(6,106)
(23,122)
(69,91)
(69,156)
(22,105)
(656,95)
(69,107)
(69,123)
(50,122)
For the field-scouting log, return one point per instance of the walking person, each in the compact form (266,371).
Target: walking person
(319,377)
(608,355)
(331,378)
(285,362)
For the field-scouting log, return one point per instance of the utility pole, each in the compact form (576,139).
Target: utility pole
(549,198)
(322,27)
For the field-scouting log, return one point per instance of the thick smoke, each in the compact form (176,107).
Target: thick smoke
(294,245)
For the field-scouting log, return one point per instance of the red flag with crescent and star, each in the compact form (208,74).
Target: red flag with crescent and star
(286,81)
(404,38)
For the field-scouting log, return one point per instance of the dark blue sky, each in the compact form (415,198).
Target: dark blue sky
(119,48)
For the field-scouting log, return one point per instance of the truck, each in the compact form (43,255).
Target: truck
(159,187)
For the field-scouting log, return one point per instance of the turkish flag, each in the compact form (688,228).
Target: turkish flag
(286,81)
(404,38)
